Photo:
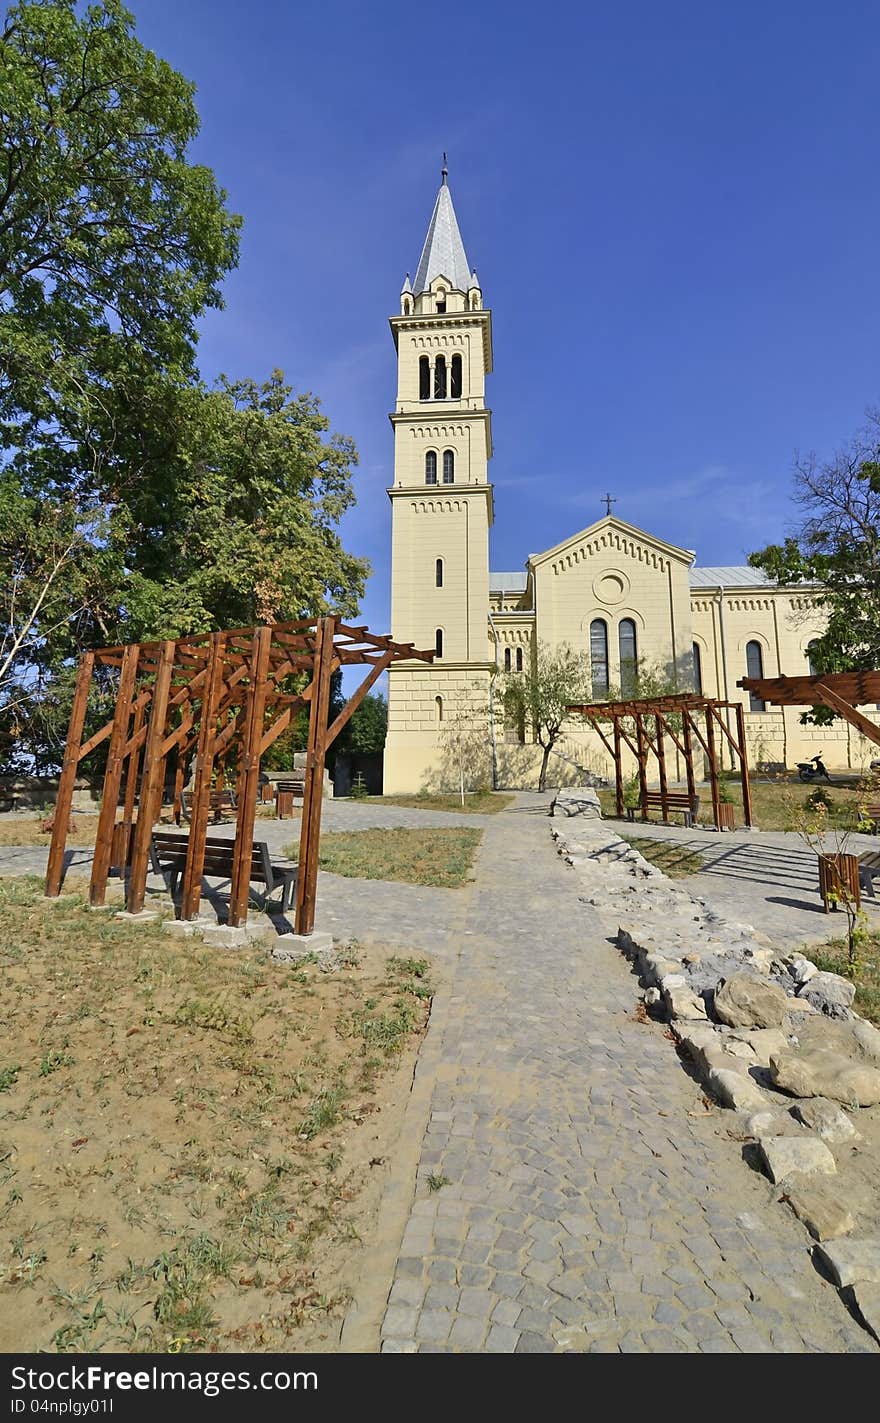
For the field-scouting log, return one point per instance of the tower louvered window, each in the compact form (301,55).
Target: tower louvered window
(440,378)
(424,378)
(455,378)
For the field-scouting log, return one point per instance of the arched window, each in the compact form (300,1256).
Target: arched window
(424,378)
(698,668)
(519,659)
(440,378)
(448,466)
(438,643)
(431,467)
(438,702)
(507,659)
(407,306)
(438,573)
(755,668)
(626,638)
(599,657)
(811,661)
(441,301)
(455,378)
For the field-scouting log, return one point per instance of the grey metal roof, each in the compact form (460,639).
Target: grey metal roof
(508,582)
(443,253)
(735,576)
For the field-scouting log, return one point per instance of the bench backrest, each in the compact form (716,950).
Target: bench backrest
(219,853)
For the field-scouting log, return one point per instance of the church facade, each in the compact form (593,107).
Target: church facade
(619,594)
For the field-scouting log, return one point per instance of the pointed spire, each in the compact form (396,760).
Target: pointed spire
(443,253)
(406,286)
(444,172)
(475,281)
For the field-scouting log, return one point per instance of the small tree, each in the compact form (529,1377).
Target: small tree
(465,747)
(821,828)
(540,696)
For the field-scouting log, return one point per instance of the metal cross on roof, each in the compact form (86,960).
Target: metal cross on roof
(608,502)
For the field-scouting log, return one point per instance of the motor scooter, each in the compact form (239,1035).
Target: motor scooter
(812,770)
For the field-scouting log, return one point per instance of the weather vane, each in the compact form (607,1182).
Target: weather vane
(608,502)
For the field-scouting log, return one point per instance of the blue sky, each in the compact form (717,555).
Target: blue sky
(673,210)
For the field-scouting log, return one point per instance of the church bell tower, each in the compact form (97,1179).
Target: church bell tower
(441,501)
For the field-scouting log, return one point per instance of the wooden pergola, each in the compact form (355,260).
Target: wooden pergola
(701,722)
(226,696)
(842,692)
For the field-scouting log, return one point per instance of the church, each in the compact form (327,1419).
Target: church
(622,596)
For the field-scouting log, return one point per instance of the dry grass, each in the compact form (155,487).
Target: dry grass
(25,830)
(865,973)
(187,1134)
(774,803)
(676,861)
(475,802)
(438,857)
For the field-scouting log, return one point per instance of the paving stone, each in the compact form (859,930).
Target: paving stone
(467,1334)
(506,1311)
(535,1344)
(501,1340)
(475,1301)
(433,1326)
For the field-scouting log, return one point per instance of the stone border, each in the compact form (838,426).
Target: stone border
(771,1037)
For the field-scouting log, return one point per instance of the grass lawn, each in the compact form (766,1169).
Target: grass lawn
(438,857)
(865,974)
(188,1137)
(25,829)
(674,860)
(774,803)
(475,802)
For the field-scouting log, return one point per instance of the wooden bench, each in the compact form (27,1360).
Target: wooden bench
(220,801)
(869,869)
(870,813)
(168,858)
(287,792)
(679,802)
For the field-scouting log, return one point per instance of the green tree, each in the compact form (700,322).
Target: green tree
(539,697)
(835,553)
(367,727)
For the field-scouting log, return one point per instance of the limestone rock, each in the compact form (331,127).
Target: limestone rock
(852,1262)
(736,1090)
(829,993)
(826,1119)
(820,1073)
(866,1298)
(577,800)
(763,1042)
(683,1004)
(788,1155)
(857,1038)
(820,1208)
(746,1001)
(801,969)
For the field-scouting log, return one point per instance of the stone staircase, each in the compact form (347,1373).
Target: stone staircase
(573,754)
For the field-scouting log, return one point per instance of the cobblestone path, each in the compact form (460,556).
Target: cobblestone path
(592,1202)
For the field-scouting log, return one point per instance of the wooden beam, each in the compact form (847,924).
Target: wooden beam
(67,781)
(310,831)
(249,779)
(354,701)
(660,752)
(713,768)
(113,776)
(829,698)
(642,757)
(618,771)
(744,764)
(201,795)
(688,753)
(152,780)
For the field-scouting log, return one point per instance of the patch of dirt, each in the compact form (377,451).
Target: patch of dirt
(193,1141)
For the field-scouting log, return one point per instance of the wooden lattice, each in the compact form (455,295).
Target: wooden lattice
(221,695)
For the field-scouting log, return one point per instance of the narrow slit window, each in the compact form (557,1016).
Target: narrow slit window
(755,668)
(438,573)
(448,466)
(626,636)
(698,669)
(519,663)
(599,657)
(455,378)
(431,467)
(441,303)
(811,658)
(438,643)
(507,659)
(424,378)
(438,702)
(440,378)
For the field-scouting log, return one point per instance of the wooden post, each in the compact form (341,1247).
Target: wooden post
(688,755)
(113,775)
(249,776)
(152,779)
(310,832)
(744,763)
(661,763)
(618,770)
(713,768)
(200,805)
(643,769)
(133,761)
(69,767)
